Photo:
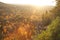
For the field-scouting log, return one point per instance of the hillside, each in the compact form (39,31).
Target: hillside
(21,22)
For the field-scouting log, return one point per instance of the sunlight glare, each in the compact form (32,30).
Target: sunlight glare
(31,2)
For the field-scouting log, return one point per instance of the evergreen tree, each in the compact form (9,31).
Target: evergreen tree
(53,30)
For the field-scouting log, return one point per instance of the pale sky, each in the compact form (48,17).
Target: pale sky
(31,2)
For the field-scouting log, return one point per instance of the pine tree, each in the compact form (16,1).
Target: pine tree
(53,30)
(56,10)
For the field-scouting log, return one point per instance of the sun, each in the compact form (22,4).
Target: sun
(31,2)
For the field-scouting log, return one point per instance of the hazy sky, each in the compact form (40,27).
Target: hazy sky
(32,2)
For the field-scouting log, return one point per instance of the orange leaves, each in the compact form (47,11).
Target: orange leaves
(4,30)
(10,26)
(34,17)
(16,26)
(22,30)
(25,30)
(6,38)
(7,17)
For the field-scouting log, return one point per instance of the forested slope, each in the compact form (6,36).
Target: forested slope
(23,22)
